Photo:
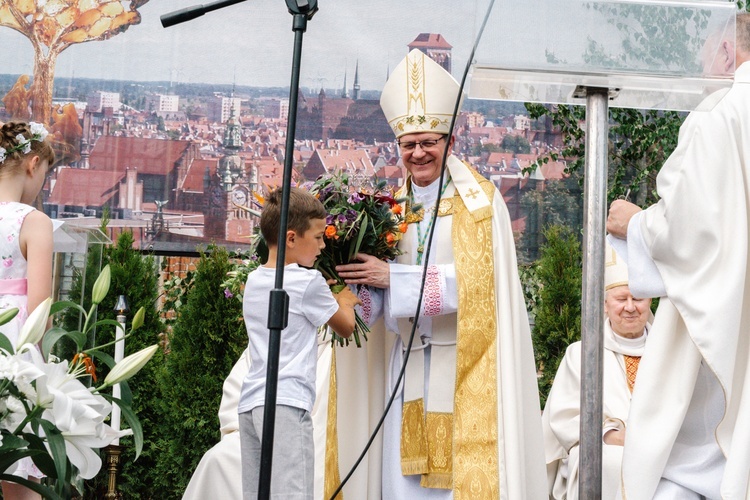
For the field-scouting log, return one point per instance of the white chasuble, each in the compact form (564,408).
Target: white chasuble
(697,235)
(511,451)
(561,417)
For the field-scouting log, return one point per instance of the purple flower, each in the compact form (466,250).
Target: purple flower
(355,198)
(341,218)
(330,220)
(228,294)
(351,215)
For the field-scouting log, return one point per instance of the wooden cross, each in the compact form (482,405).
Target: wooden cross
(472,193)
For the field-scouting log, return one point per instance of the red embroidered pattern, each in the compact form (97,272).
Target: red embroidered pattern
(366,298)
(433,297)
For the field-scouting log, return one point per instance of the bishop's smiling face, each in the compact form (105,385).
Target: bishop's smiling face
(423,162)
(627,315)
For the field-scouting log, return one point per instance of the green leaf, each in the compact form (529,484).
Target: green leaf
(362,231)
(64,304)
(57,448)
(50,339)
(43,490)
(132,420)
(110,322)
(5,344)
(103,357)
(42,459)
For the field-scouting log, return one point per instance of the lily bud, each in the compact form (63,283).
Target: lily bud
(101,286)
(33,329)
(8,315)
(129,366)
(138,319)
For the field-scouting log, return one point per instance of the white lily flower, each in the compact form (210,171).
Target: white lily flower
(77,413)
(129,366)
(36,324)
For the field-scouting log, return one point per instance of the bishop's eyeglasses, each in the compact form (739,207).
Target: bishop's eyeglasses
(426,144)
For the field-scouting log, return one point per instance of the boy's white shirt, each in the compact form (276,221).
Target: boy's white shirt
(311,304)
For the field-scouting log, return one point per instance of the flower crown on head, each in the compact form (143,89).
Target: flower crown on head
(38,133)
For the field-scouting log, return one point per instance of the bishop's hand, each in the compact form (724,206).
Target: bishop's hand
(369,271)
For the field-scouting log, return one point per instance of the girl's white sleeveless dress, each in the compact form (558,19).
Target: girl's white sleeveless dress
(13,273)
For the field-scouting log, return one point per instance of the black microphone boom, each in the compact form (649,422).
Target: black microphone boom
(190,13)
(301,11)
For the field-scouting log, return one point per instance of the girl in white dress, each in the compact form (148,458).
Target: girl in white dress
(25,242)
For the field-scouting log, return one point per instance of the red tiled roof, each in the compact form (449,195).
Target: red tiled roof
(194,177)
(554,170)
(84,187)
(390,172)
(148,156)
(431,40)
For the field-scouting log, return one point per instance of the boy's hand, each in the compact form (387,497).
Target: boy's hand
(346,298)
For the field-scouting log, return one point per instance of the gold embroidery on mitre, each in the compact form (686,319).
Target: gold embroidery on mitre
(332,479)
(439,451)
(475,464)
(413,439)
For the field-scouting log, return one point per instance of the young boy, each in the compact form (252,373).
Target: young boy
(311,304)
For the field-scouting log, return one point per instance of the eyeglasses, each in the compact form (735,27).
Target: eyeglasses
(411,146)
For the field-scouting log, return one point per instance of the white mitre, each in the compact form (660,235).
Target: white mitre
(615,268)
(419,96)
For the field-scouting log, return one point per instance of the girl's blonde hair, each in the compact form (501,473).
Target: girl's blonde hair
(13,152)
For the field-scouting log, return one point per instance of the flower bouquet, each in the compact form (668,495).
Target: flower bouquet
(47,413)
(359,220)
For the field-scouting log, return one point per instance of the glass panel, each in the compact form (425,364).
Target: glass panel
(654,54)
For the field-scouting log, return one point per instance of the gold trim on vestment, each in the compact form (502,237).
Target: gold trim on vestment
(475,463)
(332,477)
(413,438)
(440,451)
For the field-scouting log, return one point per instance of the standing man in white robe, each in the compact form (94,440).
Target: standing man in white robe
(467,422)
(689,434)
(625,330)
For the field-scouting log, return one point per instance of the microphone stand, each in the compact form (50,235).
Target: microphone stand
(278,309)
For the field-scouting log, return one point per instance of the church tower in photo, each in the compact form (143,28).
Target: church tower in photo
(436,48)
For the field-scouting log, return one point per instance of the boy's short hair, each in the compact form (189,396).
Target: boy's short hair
(303,207)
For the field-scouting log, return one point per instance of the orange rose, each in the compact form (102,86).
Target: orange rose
(403,227)
(396,210)
(390,239)
(330,231)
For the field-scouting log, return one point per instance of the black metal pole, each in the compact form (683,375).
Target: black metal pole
(278,310)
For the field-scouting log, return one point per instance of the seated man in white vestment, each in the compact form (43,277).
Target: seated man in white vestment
(468,419)
(689,433)
(625,329)
(219,473)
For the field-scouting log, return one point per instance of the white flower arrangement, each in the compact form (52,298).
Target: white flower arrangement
(38,133)
(47,413)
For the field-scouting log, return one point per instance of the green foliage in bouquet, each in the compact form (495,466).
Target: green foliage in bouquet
(359,221)
(558,313)
(48,414)
(206,340)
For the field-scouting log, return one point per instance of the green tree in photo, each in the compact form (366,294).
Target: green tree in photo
(207,339)
(558,310)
